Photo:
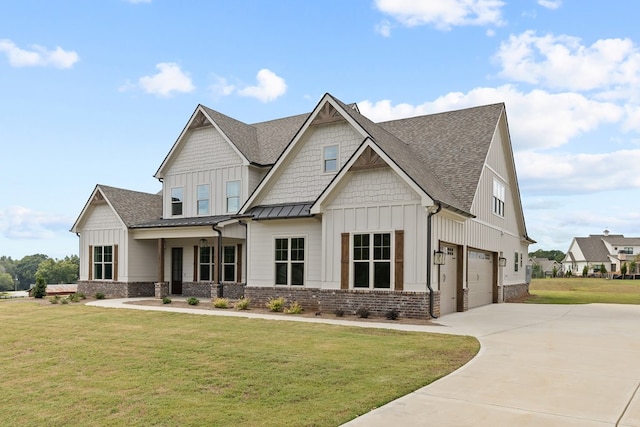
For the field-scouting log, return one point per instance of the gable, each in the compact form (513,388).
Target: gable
(101,217)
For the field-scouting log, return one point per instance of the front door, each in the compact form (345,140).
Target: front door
(176,271)
(448,281)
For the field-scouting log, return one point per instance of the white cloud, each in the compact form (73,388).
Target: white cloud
(550,4)
(443,14)
(562,62)
(38,56)
(537,119)
(384,28)
(269,87)
(221,87)
(18,223)
(168,80)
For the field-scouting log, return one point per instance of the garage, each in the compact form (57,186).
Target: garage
(448,283)
(480,277)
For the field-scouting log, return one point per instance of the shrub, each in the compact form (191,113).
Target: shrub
(243,304)
(73,298)
(275,304)
(193,301)
(166,300)
(392,314)
(338,312)
(54,299)
(81,295)
(294,308)
(363,312)
(65,301)
(100,295)
(221,303)
(40,290)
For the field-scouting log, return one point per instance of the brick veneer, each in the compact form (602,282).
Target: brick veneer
(515,293)
(413,305)
(117,289)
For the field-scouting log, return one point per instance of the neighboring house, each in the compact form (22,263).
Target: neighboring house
(545,267)
(422,215)
(610,250)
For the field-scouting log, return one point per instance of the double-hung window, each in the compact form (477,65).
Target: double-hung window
(372,260)
(229,263)
(203,199)
(289,261)
(330,158)
(233,196)
(103,262)
(498,198)
(176,201)
(207,264)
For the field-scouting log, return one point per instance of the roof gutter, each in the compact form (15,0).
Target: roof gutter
(431,212)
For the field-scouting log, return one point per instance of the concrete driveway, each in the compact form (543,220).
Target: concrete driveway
(539,365)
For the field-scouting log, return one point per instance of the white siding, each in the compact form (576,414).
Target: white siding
(302,178)
(261,256)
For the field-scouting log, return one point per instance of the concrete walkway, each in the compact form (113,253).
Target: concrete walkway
(539,365)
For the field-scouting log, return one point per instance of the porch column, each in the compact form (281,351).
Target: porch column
(160,260)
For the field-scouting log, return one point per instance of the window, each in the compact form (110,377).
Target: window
(372,260)
(627,250)
(515,266)
(229,263)
(203,199)
(233,196)
(176,201)
(207,264)
(103,262)
(330,158)
(498,198)
(289,261)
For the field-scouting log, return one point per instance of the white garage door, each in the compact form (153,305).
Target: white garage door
(480,278)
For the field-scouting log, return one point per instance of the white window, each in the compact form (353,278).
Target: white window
(371,260)
(498,198)
(289,261)
(176,201)
(233,196)
(203,199)
(103,262)
(516,264)
(330,158)
(229,263)
(207,264)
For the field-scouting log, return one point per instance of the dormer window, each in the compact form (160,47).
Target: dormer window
(176,201)
(233,196)
(203,199)
(330,158)
(498,198)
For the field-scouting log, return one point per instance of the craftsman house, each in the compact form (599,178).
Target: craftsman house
(422,215)
(610,250)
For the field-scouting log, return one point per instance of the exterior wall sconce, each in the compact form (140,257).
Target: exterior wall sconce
(203,243)
(502,262)
(438,257)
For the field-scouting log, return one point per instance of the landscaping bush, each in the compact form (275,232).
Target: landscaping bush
(338,312)
(392,314)
(363,312)
(221,303)
(294,308)
(73,298)
(65,301)
(242,304)
(193,301)
(166,300)
(40,290)
(275,304)
(100,295)
(54,299)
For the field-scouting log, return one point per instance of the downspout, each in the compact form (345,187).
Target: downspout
(246,249)
(430,213)
(219,260)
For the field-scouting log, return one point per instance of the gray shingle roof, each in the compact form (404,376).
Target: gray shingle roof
(619,240)
(133,207)
(593,248)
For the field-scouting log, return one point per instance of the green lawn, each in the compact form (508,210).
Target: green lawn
(577,290)
(73,365)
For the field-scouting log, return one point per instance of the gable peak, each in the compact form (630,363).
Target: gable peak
(369,159)
(327,114)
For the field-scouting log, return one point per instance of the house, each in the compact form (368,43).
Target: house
(610,250)
(543,267)
(422,215)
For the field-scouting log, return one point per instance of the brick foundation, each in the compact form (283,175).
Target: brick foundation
(516,293)
(414,305)
(117,289)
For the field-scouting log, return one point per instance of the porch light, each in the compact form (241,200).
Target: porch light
(502,262)
(203,243)
(438,257)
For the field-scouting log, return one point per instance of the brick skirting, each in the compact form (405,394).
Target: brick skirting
(117,289)
(414,305)
(516,293)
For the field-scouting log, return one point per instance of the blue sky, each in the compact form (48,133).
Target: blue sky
(98,91)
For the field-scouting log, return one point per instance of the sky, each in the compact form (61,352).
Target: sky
(97,92)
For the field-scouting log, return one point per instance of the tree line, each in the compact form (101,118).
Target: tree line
(21,274)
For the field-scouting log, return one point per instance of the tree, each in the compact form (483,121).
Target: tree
(623,270)
(585,271)
(7,265)
(633,265)
(26,269)
(60,271)
(603,270)
(40,290)
(555,254)
(6,282)
(555,271)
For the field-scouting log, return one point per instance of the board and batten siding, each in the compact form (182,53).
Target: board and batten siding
(303,178)
(261,236)
(102,228)
(204,158)
(375,200)
(142,261)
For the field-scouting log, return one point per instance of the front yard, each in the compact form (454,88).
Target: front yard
(72,365)
(578,290)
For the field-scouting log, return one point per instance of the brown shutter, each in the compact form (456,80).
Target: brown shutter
(399,260)
(216,261)
(239,264)
(90,262)
(195,263)
(115,263)
(344,261)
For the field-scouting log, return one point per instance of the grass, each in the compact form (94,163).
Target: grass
(577,290)
(73,365)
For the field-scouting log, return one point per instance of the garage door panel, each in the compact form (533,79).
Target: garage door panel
(480,278)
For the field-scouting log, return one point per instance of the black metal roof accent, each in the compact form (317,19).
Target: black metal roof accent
(184,222)
(287,210)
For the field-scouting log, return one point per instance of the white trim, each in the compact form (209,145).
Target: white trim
(371,261)
(181,215)
(226,195)
(289,262)
(209,198)
(324,159)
